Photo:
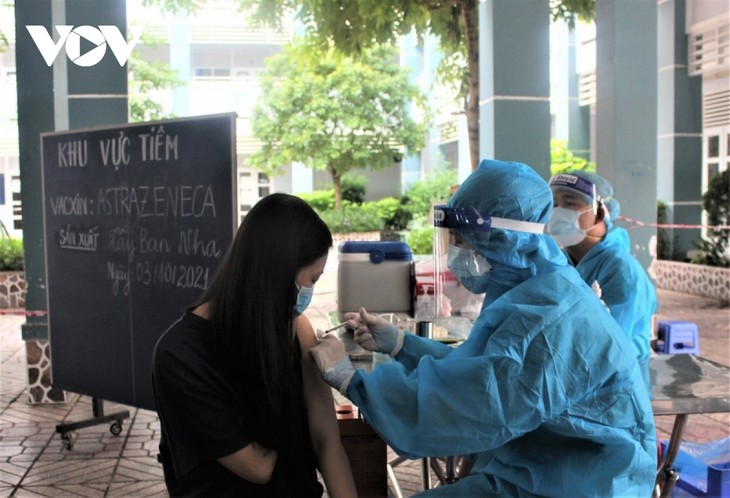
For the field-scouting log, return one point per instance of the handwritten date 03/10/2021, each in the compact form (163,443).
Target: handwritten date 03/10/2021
(160,274)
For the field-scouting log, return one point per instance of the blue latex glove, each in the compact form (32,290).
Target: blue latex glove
(333,362)
(375,333)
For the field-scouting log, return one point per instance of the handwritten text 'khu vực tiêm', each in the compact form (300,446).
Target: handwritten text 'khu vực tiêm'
(154,146)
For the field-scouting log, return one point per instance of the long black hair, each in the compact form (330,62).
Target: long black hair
(251,300)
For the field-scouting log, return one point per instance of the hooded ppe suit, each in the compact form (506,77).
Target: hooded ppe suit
(545,393)
(625,286)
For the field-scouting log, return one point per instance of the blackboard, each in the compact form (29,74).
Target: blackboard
(137,218)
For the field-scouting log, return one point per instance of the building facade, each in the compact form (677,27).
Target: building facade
(219,60)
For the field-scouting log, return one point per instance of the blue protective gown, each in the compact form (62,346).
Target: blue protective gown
(626,289)
(546,392)
(545,395)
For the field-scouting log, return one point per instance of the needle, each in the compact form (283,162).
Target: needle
(322,334)
(335,328)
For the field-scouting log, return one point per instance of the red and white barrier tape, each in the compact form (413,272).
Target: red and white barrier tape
(665,225)
(22,312)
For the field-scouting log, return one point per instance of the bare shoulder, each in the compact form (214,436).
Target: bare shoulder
(305,333)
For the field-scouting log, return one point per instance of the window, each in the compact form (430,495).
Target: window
(17,210)
(716,158)
(252,186)
(264,186)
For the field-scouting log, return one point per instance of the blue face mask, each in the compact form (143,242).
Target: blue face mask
(469,267)
(303,299)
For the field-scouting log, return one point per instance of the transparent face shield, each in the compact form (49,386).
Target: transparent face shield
(459,269)
(576,185)
(451,297)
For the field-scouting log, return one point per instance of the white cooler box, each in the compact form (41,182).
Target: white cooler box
(375,275)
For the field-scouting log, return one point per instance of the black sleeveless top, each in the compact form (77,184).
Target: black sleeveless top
(203,417)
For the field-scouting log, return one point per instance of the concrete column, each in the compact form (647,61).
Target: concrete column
(579,119)
(514,107)
(626,110)
(180,61)
(571,122)
(56,98)
(679,146)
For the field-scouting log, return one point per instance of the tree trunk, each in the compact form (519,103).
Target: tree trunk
(470,15)
(336,182)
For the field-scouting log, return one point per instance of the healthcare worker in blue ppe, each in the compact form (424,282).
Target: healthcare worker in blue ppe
(545,394)
(582,223)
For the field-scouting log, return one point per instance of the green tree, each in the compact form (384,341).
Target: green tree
(4,42)
(145,78)
(334,112)
(356,24)
(716,202)
(562,160)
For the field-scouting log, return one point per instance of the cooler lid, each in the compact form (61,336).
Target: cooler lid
(379,251)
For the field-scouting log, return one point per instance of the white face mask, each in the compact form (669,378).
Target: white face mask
(564,226)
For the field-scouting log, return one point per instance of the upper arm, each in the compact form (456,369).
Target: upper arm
(318,396)
(253,462)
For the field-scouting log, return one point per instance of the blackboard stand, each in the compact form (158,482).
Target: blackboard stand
(97,406)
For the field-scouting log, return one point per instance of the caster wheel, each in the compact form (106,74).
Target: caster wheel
(116,428)
(67,441)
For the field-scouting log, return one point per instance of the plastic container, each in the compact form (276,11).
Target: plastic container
(677,337)
(704,468)
(375,275)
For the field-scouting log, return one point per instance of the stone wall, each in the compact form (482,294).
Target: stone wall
(12,289)
(690,278)
(40,388)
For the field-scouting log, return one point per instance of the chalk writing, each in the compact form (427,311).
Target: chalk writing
(73,154)
(118,241)
(143,201)
(119,274)
(192,244)
(181,276)
(116,150)
(80,240)
(151,244)
(158,146)
(71,205)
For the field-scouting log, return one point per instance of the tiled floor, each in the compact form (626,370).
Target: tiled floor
(34,462)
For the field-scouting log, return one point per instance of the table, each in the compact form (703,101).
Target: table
(683,384)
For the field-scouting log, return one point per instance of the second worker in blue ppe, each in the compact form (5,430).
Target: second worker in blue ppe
(545,394)
(582,223)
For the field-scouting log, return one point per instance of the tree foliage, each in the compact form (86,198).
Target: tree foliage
(353,25)
(356,24)
(4,42)
(563,160)
(335,112)
(716,202)
(572,10)
(146,77)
